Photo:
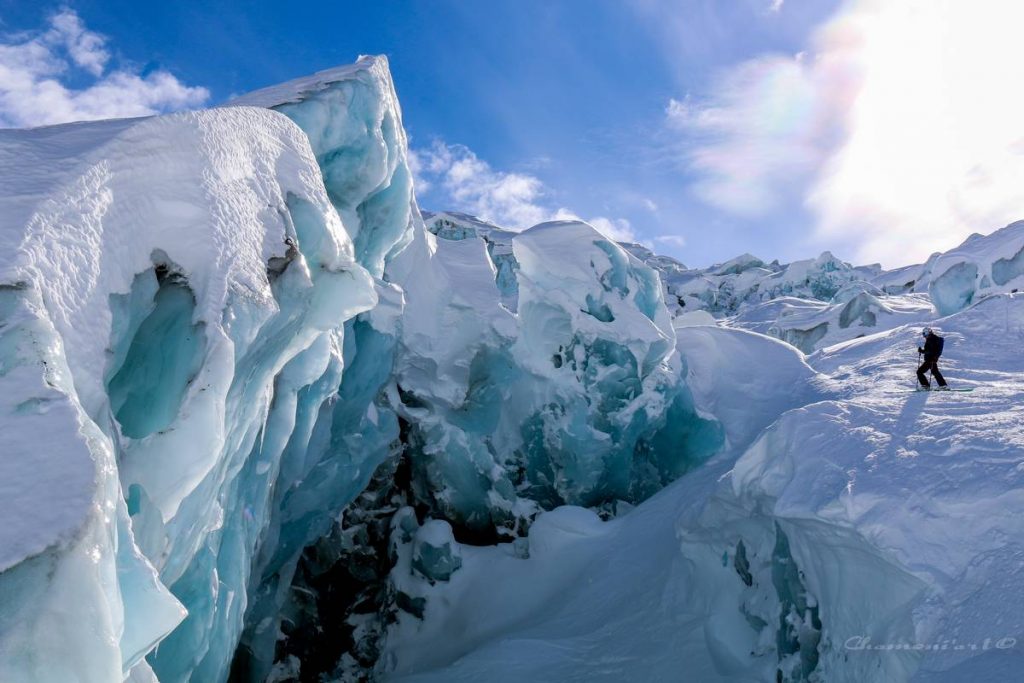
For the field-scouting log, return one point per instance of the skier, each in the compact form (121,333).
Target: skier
(932,350)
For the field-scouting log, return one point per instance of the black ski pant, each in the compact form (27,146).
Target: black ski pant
(933,365)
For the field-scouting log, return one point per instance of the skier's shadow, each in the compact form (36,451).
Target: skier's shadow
(903,426)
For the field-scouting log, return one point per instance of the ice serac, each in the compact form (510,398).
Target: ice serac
(173,292)
(354,124)
(352,119)
(727,288)
(580,398)
(858,309)
(594,326)
(981,266)
(455,226)
(810,303)
(567,401)
(68,558)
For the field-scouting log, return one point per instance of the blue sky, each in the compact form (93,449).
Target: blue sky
(704,128)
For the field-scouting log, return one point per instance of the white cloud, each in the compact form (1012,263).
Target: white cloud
(900,129)
(674,240)
(471,185)
(618,229)
(935,143)
(35,67)
(464,182)
(775,6)
(87,49)
(419,179)
(765,127)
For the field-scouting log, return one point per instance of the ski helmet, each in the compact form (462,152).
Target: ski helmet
(926,331)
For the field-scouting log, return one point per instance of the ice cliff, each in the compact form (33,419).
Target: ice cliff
(173,293)
(263,419)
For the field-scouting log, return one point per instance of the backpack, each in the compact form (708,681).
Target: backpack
(941,342)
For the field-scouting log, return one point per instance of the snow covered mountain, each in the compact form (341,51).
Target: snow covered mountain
(264,419)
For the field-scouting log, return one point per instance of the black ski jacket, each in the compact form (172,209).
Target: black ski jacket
(932,347)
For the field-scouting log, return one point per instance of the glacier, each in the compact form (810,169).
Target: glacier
(264,419)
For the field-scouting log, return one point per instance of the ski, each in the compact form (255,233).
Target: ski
(923,391)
